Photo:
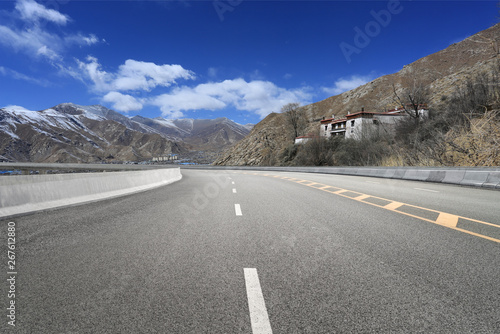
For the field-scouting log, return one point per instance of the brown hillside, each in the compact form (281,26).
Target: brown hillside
(441,72)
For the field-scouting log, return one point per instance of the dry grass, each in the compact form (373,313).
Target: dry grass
(477,146)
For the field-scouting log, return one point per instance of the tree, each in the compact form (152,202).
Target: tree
(317,151)
(412,96)
(294,117)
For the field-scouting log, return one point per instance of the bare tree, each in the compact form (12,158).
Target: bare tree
(412,95)
(295,117)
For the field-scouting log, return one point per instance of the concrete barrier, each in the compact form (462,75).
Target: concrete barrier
(29,193)
(486,177)
(436,175)
(475,178)
(493,180)
(398,174)
(416,175)
(389,173)
(454,176)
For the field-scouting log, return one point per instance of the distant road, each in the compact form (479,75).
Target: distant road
(261,252)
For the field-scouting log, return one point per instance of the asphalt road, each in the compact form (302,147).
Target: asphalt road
(251,252)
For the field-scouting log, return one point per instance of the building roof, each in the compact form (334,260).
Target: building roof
(399,111)
(333,120)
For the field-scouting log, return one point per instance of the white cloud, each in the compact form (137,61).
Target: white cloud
(122,102)
(82,40)
(133,75)
(344,85)
(20,76)
(33,42)
(24,33)
(48,53)
(30,10)
(260,97)
(139,75)
(172,104)
(92,69)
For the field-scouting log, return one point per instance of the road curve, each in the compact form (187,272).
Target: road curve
(262,252)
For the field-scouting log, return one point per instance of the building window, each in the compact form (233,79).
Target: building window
(352,123)
(376,122)
(326,127)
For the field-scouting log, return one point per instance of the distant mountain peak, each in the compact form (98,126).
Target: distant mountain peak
(69,132)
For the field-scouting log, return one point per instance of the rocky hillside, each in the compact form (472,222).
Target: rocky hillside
(68,134)
(258,147)
(441,72)
(73,133)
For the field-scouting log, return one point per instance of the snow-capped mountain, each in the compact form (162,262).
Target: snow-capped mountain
(201,134)
(74,133)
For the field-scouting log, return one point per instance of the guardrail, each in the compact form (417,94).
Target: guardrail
(42,168)
(21,194)
(487,177)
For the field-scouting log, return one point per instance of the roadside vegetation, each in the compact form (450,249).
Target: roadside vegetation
(463,130)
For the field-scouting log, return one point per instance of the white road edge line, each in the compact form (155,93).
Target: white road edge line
(237,208)
(432,191)
(256,305)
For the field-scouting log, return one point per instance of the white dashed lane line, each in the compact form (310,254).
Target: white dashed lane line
(237,209)
(234,191)
(431,191)
(256,304)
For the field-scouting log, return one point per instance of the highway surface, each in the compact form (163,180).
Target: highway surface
(263,252)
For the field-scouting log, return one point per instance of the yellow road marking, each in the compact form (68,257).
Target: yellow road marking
(443,219)
(392,206)
(361,197)
(447,220)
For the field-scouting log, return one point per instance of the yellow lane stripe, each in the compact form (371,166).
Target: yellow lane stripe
(443,219)
(311,184)
(361,197)
(392,206)
(447,220)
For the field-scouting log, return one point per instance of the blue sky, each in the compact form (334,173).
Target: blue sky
(216,58)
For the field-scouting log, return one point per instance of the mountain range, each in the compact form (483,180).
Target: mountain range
(74,133)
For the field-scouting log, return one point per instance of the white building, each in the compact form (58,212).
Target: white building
(365,123)
(169,157)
